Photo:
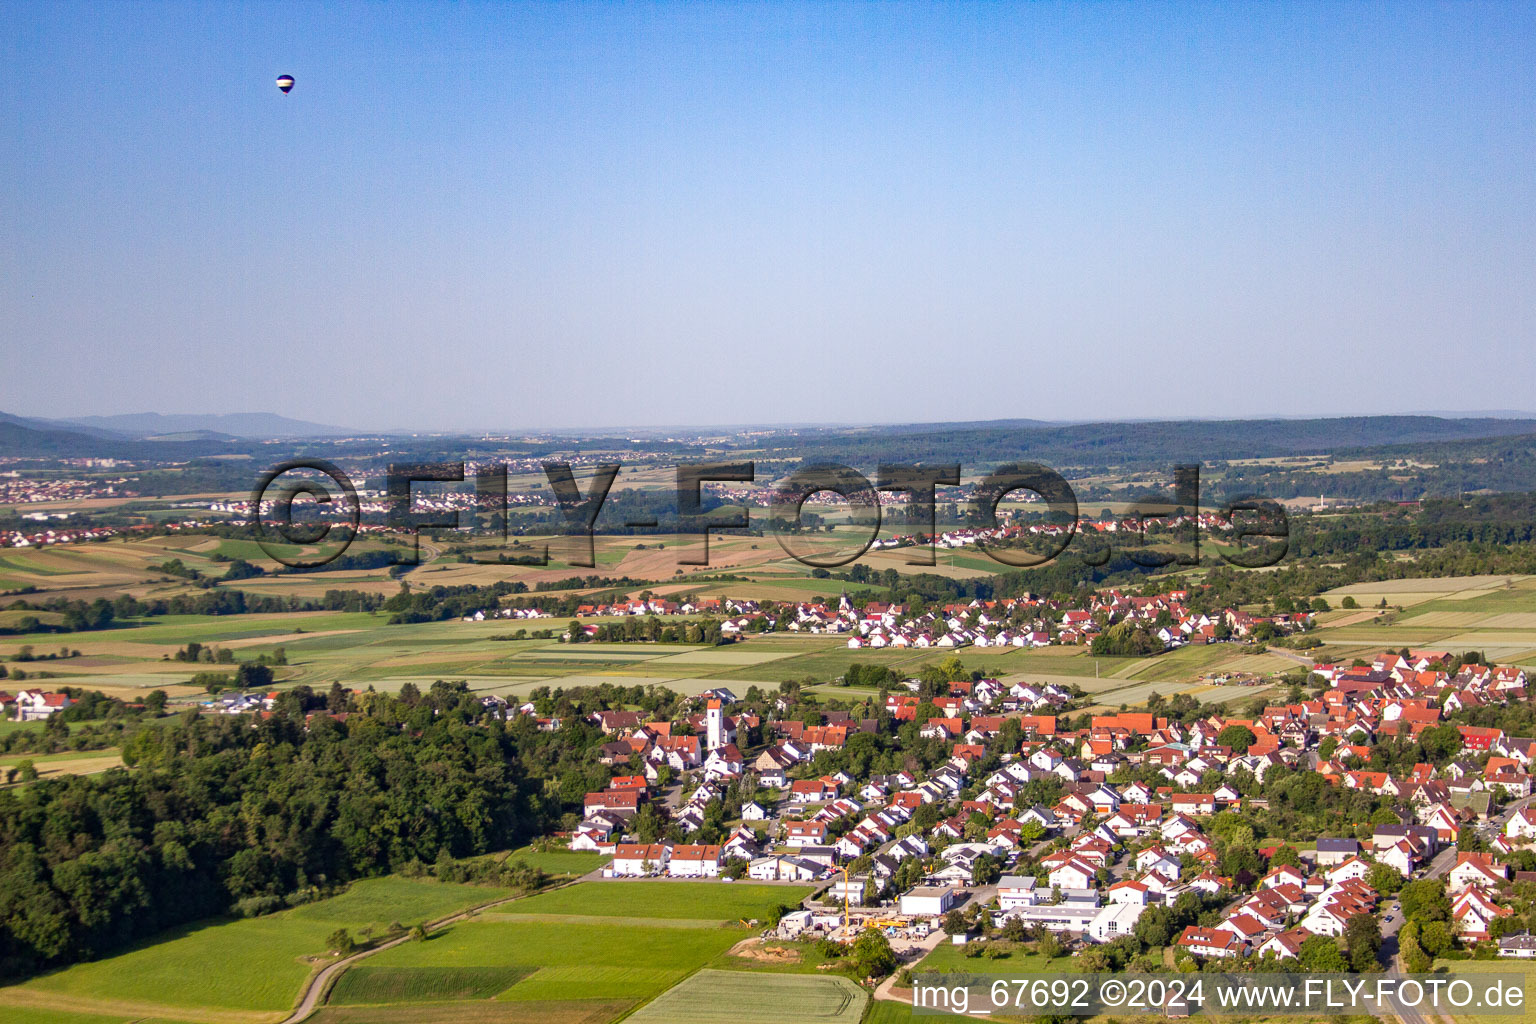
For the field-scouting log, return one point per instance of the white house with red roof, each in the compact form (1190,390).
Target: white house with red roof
(1129,891)
(1159,860)
(805,833)
(1283,875)
(1353,869)
(1211,942)
(1474,912)
(1475,869)
(637,859)
(1286,944)
(1074,873)
(698,861)
(35,705)
(1522,825)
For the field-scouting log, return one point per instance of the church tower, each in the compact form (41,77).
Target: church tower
(714,725)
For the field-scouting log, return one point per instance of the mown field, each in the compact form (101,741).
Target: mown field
(557,961)
(731,997)
(73,763)
(235,970)
(557,861)
(654,898)
(587,952)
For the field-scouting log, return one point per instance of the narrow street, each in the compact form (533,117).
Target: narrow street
(1439,865)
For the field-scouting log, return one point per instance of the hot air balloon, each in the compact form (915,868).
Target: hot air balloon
(285,83)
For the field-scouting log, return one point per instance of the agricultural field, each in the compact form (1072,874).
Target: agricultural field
(367,983)
(758,566)
(1511,969)
(360,649)
(1492,614)
(255,965)
(1495,614)
(109,568)
(86,762)
(588,952)
(586,1011)
(733,997)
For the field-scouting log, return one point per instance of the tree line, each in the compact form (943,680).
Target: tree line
(234,814)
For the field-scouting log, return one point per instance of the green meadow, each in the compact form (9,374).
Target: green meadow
(252,965)
(558,861)
(654,898)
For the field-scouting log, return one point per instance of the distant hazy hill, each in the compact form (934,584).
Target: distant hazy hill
(46,426)
(17,438)
(1142,443)
(208,426)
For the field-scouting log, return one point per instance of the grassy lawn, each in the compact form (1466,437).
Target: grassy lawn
(380,901)
(947,958)
(658,899)
(1187,662)
(557,861)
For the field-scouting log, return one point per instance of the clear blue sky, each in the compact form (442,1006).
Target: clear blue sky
(579,215)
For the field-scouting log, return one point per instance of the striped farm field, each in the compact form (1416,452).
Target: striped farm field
(367,984)
(1478,620)
(586,953)
(744,997)
(593,982)
(560,958)
(727,656)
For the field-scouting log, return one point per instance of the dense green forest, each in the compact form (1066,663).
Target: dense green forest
(229,814)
